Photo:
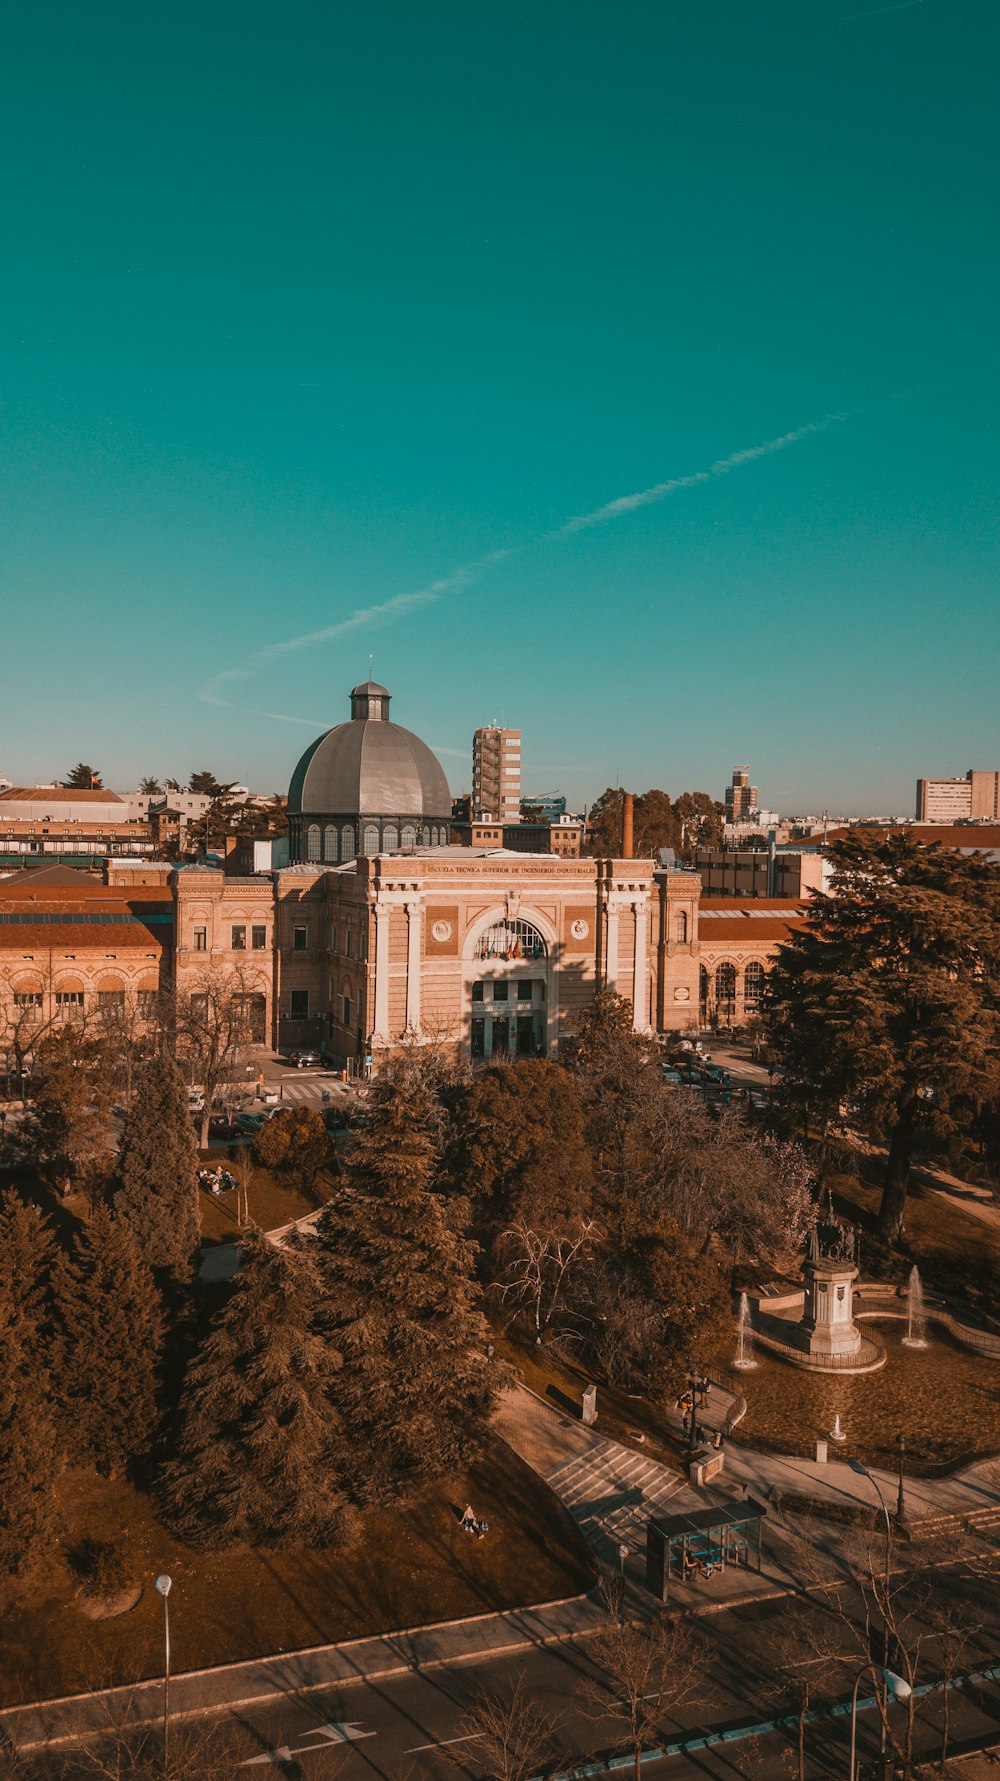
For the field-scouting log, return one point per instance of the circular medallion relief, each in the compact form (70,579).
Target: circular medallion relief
(579,929)
(441,930)
(681,994)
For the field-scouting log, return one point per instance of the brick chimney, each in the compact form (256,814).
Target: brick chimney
(627,843)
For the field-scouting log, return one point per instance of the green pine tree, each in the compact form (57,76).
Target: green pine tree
(400,1303)
(108,1348)
(28,1452)
(158,1173)
(260,1451)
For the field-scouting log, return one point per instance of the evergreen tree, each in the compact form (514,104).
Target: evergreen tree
(888,999)
(27,1251)
(28,1452)
(108,1347)
(260,1450)
(399,1302)
(67,1130)
(521,1144)
(158,1172)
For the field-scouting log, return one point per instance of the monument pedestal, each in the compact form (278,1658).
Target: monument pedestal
(828,1327)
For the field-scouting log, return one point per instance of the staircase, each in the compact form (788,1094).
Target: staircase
(611,1492)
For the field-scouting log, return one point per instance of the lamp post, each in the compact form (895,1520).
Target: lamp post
(895,1685)
(863,1472)
(163,1586)
(696,1383)
(902,1525)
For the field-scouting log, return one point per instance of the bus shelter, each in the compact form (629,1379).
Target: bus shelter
(683,1548)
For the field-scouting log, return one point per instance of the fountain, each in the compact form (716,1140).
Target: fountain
(744,1359)
(837,1433)
(916,1316)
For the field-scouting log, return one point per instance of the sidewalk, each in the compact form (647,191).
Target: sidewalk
(301,1672)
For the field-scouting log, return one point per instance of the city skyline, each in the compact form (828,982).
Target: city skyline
(548,380)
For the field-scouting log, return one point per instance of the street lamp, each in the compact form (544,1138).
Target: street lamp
(163,1586)
(902,1525)
(895,1685)
(863,1472)
(696,1383)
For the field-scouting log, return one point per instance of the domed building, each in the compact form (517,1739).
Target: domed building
(366,787)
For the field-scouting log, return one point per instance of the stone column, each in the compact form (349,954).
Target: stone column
(413,912)
(381,1028)
(611,949)
(640,968)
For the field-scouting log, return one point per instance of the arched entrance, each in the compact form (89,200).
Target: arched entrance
(508,978)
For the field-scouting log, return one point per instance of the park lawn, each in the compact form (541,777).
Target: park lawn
(276,1198)
(561,1382)
(957,1253)
(412,1566)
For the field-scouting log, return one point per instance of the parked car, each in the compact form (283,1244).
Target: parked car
(304,1060)
(249,1122)
(221,1127)
(672,1077)
(715,1073)
(196,1100)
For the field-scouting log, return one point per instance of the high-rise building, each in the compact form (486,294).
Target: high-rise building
(741,796)
(496,774)
(976,798)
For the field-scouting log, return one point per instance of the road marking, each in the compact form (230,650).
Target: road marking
(335,1732)
(467,1739)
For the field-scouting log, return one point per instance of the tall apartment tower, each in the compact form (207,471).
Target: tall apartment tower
(496,775)
(741,796)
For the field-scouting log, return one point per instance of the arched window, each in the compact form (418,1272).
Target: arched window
(347,847)
(434,836)
(725,991)
(682,928)
(510,940)
(371,839)
(390,837)
(330,843)
(312,841)
(426,837)
(753,987)
(704,985)
(409,836)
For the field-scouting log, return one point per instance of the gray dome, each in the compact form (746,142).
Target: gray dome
(369,767)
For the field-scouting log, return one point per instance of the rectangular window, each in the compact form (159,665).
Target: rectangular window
(300,939)
(333,937)
(111,999)
(69,998)
(346,1010)
(524,989)
(258,938)
(500,990)
(300,1004)
(199,1006)
(348,944)
(201,939)
(239,943)
(28,998)
(477,991)
(145,1002)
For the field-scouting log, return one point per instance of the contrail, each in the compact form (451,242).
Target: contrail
(900,6)
(386,612)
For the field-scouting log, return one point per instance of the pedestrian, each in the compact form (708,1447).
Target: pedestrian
(469,1519)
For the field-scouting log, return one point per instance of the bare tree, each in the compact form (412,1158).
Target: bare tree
(652,1666)
(957,1641)
(243,1172)
(214,1032)
(537,1267)
(510,1733)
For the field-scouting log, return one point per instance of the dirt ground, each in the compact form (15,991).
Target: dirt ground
(411,1567)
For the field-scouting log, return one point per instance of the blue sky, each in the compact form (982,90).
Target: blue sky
(322,322)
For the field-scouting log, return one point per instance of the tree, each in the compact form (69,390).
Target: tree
(214,1033)
(510,1733)
(83,778)
(174,785)
(654,825)
(108,1347)
(150,787)
(28,1451)
(203,784)
(261,1451)
(519,1140)
(652,1666)
(888,998)
(605,825)
(157,1195)
(620,1085)
(67,1129)
(296,1141)
(700,819)
(27,1254)
(537,1268)
(399,1301)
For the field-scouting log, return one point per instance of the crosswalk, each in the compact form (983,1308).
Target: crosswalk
(308,1091)
(611,1492)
